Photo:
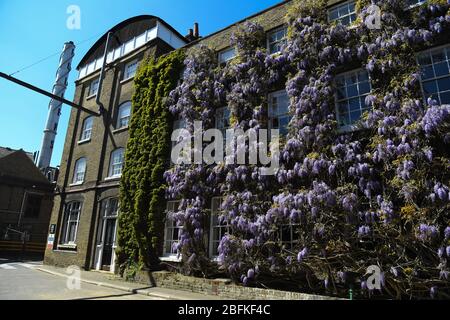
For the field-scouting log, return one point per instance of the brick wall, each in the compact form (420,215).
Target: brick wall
(224,288)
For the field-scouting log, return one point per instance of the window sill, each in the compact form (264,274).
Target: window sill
(348,129)
(67,247)
(121,129)
(113,178)
(92,96)
(84,141)
(170,259)
(275,54)
(76,184)
(215,259)
(414,6)
(127,80)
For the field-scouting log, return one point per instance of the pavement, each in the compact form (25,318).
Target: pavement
(108,280)
(31,280)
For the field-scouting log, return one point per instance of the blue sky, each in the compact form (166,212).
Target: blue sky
(32,30)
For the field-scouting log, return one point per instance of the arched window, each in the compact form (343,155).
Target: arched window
(86,133)
(123,117)
(71,220)
(116,163)
(79,171)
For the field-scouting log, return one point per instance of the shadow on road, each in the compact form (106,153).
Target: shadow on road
(8,257)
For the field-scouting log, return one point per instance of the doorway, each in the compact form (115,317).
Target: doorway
(106,235)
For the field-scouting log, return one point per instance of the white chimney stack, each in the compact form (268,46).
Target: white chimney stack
(54,110)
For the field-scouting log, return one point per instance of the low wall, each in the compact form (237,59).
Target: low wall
(219,287)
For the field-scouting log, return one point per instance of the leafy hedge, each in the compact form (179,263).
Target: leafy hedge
(142,190)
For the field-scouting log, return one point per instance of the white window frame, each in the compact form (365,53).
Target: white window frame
(94,83)
(292,241)
(339,19)
(351,126)
(222,59)
(67,222)
(169,227)
(276,42)
(126,74)
(216,225)
(77,172)
(120,115)
(434,78)
(419,3)
(116,168)
(272,116)
(86,132)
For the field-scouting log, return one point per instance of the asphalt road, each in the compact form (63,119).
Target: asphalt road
(21,281)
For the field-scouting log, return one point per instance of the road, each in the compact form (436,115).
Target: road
(21,281)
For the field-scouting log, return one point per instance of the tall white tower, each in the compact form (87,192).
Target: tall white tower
(54,109)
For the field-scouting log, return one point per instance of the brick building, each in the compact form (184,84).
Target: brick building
(26,200)
(86,206)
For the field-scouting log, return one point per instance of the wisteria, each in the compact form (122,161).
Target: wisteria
(377,195)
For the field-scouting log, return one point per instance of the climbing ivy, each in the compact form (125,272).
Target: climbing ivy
(142,188)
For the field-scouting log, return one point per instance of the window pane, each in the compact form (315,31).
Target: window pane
(355,116)
(445,97)
(130,70)
(429,87)
(343,119)
(354,104)
(424,59)
(352,91)
(80,169)
(363,76)
(437,85)
(116,163)
(227,55)
(279,111)
(356,86)
(441,69)
(345,20)
(333,14)
(438,56)
(364,87)
(343,10)
(124,115)
(343,107)
(444,84)
(341,94)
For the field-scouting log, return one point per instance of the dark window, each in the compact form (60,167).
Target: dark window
(33,206)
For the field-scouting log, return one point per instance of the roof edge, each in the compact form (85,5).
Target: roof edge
(121,25)
(238,22)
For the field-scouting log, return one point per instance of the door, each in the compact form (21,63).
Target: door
(106,236)
(108,244)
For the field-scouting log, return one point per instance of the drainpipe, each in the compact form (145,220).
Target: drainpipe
(22,208)
(102,75)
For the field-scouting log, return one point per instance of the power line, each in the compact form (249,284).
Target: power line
(53,55)
(46,93)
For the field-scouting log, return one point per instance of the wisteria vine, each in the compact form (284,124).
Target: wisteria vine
(378,195)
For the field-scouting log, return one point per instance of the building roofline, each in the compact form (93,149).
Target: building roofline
(121,25)
(238,22)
